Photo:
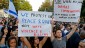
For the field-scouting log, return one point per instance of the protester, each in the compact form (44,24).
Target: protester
(58,41)
(1,26)
(73,41)
(12,41)
(82,34)
(35,43)
(64,35)
(82,44)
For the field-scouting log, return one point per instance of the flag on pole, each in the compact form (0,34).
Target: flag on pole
(12,10)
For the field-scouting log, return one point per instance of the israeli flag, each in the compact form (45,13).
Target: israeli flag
(12,10)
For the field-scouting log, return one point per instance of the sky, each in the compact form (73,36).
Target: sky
(35,4)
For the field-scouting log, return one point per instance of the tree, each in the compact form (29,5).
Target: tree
(19,4)
(50,8)
(24,5)
(46,6)
(3,4)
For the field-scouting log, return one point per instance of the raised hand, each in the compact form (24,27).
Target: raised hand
(74,27)
(5,31)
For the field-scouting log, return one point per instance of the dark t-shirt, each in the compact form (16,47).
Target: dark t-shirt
(73,41)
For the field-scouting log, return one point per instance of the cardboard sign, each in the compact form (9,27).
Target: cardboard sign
(67,10)
(34,23)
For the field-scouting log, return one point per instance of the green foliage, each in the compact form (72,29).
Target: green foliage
(24,5)
(3,4)
(46,6)
(50,8)
(19,5)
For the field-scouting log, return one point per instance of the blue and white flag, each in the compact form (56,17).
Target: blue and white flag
(12,10)
(5,10)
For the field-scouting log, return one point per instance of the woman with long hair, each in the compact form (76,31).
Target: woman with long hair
(12,41)
(36,43)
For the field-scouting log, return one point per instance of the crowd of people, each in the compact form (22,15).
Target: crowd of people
(63,35)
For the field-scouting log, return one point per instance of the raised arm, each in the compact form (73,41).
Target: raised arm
(52,35)
(26,42)
(4,36)
(72,31)
(42,42)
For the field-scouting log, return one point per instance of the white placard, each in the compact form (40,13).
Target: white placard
(34,23)
(67,10)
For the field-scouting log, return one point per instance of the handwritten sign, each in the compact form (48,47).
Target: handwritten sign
(67,10)
(34,23)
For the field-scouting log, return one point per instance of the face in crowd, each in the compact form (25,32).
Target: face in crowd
(12,42)
(58,34)
(36,40)
(61,26)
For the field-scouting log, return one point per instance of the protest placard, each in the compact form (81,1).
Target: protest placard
(67,10)
(33,23)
